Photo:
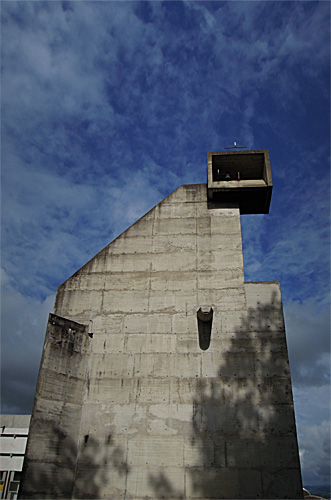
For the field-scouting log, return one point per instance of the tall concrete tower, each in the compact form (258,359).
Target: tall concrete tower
(164,374)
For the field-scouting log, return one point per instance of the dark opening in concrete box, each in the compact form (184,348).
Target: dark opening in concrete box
(240,177)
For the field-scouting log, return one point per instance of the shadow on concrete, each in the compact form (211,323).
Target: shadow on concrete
(71,471)
(163,488)
(243,422)
(60,461)
(98,464)
(243,427)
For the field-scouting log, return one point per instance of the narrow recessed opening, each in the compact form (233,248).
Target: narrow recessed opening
(205,320)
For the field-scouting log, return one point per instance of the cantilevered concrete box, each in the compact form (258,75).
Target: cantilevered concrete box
(241,177)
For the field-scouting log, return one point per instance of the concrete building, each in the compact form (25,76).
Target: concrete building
(164,374)
(14,431)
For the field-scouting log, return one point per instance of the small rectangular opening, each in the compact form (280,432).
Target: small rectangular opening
(238,167)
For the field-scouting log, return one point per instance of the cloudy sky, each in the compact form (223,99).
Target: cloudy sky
(107,107)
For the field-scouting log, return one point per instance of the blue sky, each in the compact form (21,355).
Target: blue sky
(107,107)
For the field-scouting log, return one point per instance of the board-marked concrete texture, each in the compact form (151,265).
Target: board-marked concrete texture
(140,410)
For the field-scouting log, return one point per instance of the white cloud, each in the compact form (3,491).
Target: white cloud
(313,427)
(315,453)
(308,334)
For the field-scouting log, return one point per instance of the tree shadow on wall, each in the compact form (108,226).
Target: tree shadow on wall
(69,472)
(243,421)
(163,487)
(243,428)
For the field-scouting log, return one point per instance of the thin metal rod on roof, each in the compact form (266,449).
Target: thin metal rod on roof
(235,146)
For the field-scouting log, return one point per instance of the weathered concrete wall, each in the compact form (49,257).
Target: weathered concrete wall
(157,417)
(52,447)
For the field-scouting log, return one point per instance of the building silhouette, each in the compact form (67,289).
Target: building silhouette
(164,374)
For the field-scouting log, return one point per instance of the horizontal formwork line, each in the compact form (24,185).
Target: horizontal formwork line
(12,455)
(3,434)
